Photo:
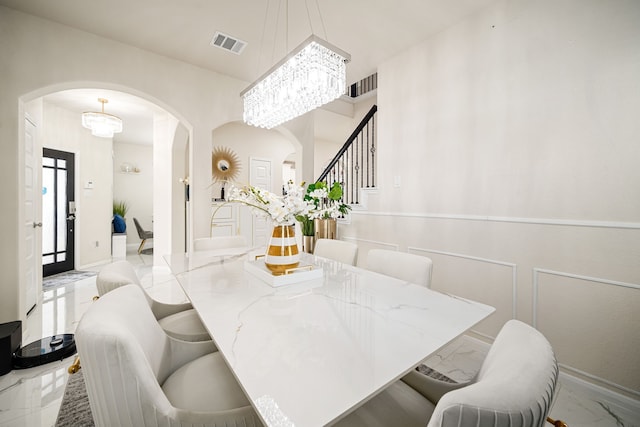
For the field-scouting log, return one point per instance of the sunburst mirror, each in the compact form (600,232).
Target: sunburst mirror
(225,164)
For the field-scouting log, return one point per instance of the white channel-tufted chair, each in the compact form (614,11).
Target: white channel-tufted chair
(337,250)
(221,242)
(514,388)
(178,320)
(401,265)
(136,375)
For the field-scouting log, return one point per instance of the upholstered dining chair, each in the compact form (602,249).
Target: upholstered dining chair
(401,265)
(221,242)
(143,234)
(338,250)
(136,375)
(178,320)
(515,387)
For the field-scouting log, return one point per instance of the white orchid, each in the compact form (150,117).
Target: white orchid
(281,209)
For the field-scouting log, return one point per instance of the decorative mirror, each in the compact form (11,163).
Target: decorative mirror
(225,164)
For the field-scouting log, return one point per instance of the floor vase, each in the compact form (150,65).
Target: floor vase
(282,252)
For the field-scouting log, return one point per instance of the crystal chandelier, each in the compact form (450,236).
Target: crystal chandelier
(102,124)
(312,75)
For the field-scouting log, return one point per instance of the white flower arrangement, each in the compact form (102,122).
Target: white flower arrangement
(324,207)
(326,204)
(282,210)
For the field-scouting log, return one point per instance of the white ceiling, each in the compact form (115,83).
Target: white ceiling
(370,30)
(136,113)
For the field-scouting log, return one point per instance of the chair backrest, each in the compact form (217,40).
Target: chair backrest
(514,387)
(142,233)
(401,265)
(338,250)
(222,242)
(114,275)
(124,354)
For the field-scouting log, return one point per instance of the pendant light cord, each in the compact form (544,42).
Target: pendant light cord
(264,31)
(324,30)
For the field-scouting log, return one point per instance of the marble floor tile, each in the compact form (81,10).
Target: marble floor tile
(32,397)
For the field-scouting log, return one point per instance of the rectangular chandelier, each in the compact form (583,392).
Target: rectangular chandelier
(312,75)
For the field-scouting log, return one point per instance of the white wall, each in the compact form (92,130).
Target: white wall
(61,130)
(44,57)
(134,188)
(515,139)
(332,129)
(324,152)
(180,168)
(248,141)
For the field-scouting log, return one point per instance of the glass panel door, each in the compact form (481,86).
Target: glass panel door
(58,211)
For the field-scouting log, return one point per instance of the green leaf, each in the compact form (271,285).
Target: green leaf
(120,208)
(336,191)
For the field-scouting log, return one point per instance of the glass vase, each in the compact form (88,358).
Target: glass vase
(282,252)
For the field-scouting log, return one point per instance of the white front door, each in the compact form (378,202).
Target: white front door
(260,177)
(32,221)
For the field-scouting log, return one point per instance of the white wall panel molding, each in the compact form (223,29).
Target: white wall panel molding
(386,245)
(514,271)
(563,303)
(538,271)
(538,221)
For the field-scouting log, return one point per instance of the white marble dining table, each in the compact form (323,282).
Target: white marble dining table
(308,353)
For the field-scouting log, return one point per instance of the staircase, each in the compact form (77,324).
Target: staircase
(354,164)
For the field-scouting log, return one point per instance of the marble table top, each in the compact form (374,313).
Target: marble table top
(308,353)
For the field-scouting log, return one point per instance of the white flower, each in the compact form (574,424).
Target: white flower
(281,209)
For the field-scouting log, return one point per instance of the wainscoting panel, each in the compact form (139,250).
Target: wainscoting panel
(488,281)
(566,305)
(364,246)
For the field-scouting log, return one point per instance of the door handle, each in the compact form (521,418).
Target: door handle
(37,224)
(71,217)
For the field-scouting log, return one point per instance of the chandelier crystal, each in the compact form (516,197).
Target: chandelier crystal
(312,75)
(102,124)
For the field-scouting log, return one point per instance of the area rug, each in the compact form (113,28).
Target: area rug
(65,278)
(75,410)
(424,369)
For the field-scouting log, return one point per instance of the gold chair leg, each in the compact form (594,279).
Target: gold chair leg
(141,246)
(75,366)
(556,423)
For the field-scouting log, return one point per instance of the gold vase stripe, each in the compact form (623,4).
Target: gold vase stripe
(282,252)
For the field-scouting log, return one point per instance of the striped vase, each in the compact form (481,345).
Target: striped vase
(282,252)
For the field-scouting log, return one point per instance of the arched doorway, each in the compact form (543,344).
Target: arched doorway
(102,169)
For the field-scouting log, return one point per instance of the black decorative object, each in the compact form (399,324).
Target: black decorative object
(45,350)
(10,341)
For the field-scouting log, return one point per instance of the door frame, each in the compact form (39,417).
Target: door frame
(69,262)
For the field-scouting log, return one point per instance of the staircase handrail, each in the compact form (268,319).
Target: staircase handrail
(348,143)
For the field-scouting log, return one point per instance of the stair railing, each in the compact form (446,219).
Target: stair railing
(354,164)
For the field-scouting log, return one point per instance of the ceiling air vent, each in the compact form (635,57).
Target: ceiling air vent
(226,42)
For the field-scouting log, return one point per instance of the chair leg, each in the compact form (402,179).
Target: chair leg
(75,366)
(556,423)
(141,246)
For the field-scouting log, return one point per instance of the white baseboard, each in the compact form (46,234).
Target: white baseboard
(94,264)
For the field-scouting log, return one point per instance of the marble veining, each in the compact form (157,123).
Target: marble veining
(343,340)
(32,397)
(607,408)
